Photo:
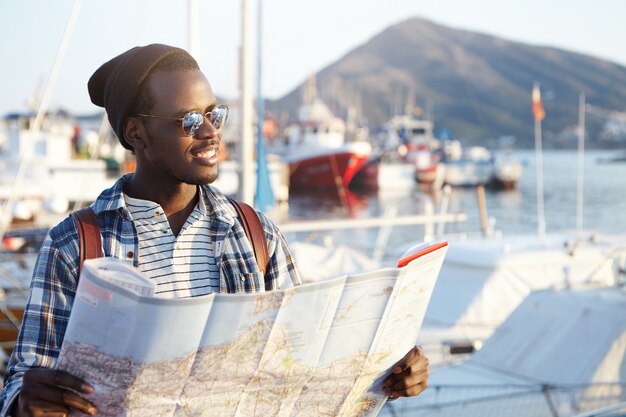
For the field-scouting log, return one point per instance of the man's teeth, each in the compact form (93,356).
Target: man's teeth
(207,154)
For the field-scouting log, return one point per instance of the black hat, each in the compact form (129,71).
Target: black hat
(116,83)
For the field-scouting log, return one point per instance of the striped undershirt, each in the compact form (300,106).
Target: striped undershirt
(181,266)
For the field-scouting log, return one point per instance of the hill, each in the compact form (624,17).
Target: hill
(475,85)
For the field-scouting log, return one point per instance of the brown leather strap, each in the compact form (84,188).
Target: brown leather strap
(256,235)
(90,239)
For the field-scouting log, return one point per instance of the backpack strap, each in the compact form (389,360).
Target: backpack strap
(89,237)
(256,235)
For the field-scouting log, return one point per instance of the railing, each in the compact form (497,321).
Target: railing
(514,400)
(614,410)
(429,219)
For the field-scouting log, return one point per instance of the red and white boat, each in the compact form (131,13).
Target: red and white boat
(316,149)
(406,158)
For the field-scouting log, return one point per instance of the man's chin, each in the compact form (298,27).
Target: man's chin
(211,178)
(208,179)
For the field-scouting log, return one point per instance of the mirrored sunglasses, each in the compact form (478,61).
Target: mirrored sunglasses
(192,121)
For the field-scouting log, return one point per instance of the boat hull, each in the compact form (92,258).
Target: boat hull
(367,178)
(328,171)
(465,173)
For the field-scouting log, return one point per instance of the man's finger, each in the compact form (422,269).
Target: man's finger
(37,407)
(409,392)
(409,378)
(413,362)
(412,355)
(33,394)
(54,377)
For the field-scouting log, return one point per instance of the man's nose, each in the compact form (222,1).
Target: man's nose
(206,130)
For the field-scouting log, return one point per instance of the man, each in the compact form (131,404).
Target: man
(164,219)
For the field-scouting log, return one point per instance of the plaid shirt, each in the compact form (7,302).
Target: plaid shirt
(54,281)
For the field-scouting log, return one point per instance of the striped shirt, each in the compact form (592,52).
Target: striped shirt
(55,276)
(183,265)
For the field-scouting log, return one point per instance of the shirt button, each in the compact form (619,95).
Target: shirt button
(164,231)
(130,255)
(242,277)
(157,214)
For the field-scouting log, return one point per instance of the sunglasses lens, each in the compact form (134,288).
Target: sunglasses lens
(192,122)
(218,116)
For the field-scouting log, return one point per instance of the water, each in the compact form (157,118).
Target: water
(511,212)
(604,186)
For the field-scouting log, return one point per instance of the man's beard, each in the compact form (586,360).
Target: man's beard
(207,179)
(186,179)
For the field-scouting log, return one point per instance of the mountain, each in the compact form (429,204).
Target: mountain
(475,85)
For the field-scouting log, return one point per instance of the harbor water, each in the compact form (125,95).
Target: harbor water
(510,212)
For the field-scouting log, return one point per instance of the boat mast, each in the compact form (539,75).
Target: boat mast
(247,109)
(194,17)
(581,163)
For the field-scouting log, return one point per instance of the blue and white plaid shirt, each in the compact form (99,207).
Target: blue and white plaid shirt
(56,272)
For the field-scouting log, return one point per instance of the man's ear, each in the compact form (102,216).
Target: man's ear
(135,133)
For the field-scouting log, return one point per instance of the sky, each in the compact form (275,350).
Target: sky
(298,37)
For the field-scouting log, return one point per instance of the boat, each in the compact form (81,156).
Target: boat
(560,353)
(507,171)
(474,167)
(52,161)
(316,149)
(484,279)
(429,169)
(404,158)
(405,133)
(615,158)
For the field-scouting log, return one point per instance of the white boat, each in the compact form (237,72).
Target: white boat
(405,157)
(405,133)
(560,353)
(54,175)
(507,171)
(395,176)
(474,167)
(483,280)
(477,166)
(316,149)
(430,171)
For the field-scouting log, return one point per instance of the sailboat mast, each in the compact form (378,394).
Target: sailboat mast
(194,17)
(7,207)
(581,163)
(247,109)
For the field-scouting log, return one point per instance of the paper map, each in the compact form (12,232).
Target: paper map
(320,349)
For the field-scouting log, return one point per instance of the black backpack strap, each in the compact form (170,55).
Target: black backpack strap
(90,239)
(256,235)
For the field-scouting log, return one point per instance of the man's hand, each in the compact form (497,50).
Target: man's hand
(48,392)
(409,377)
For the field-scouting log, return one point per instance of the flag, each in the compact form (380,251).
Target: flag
(537,107)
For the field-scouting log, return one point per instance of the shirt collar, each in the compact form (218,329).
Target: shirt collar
(212,201)
(113,198)
(217,204)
